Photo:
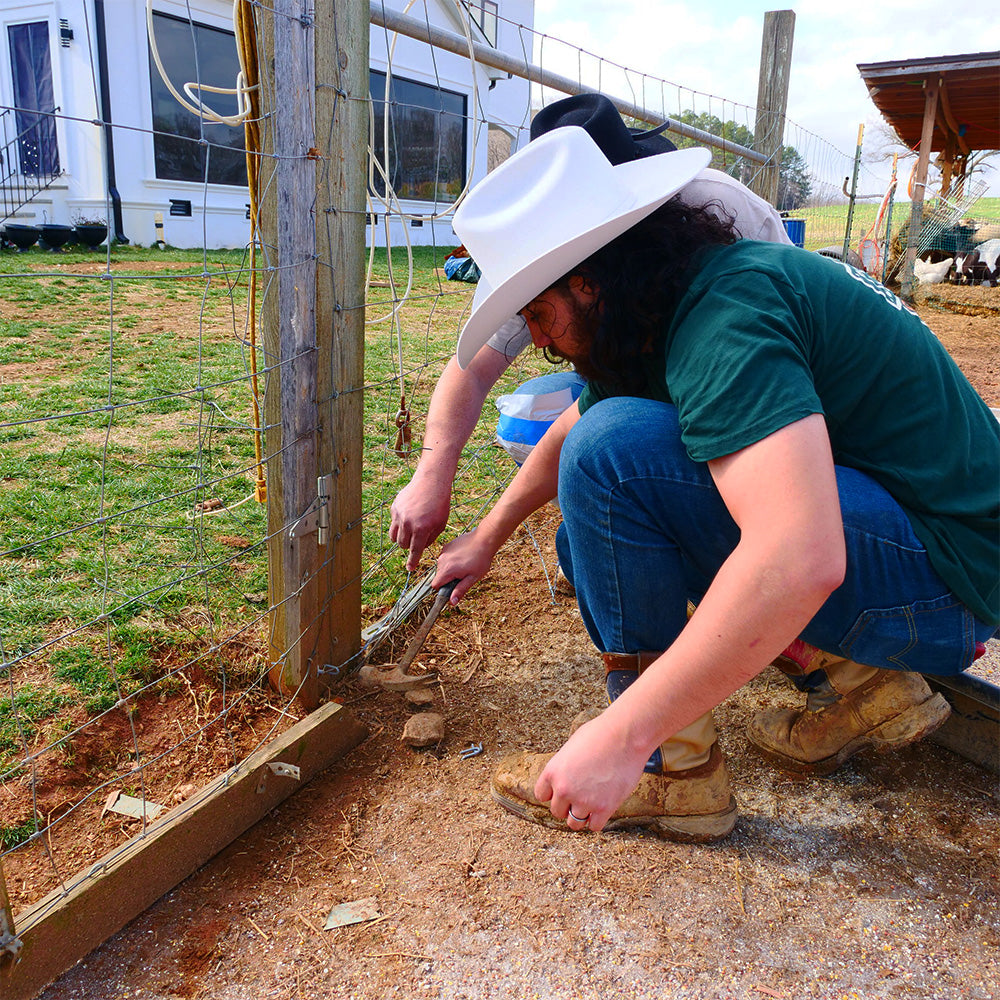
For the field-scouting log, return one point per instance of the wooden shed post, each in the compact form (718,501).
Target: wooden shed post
(772,99)
(919,183)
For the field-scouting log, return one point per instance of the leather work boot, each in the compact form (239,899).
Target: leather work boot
(857,707)
(683,794)
(562,586)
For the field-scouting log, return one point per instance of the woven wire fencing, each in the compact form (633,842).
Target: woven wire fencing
(136,607)
(134,594)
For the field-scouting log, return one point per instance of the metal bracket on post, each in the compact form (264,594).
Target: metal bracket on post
(318,518)
(324,490)
(10,944)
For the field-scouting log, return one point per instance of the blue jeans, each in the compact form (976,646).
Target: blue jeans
(645,530)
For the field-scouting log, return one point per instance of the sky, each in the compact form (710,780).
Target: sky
(713,46)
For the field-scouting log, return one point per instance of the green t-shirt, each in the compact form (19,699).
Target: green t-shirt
(769,334)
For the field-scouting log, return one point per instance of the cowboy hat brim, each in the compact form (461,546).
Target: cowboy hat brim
(648,182)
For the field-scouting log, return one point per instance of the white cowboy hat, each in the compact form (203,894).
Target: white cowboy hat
(546,209)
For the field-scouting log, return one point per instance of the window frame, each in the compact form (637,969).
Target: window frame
(440,195)
(159,135)
(486,15)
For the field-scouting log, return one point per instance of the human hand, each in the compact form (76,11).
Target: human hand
(467,559)
(591,775)
(418,515)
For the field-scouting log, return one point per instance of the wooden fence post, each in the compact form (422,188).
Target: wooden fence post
(342,54)
(772,99)
(288,333)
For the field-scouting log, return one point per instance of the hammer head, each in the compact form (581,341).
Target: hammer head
(393,678)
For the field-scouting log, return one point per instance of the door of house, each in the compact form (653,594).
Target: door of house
(34,114)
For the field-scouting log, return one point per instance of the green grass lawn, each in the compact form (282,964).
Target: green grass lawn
(826,224)
(126,404)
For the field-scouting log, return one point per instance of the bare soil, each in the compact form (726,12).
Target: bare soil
(880,881)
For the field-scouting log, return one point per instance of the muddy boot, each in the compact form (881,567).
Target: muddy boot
(683,795)
(855,707)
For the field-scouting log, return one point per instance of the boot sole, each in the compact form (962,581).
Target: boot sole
(908,727)
(680,829)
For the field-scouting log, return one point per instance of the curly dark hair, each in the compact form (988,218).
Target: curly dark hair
(639,278)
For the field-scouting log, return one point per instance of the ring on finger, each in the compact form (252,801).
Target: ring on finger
(579,819)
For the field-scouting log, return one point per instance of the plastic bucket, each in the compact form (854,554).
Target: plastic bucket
(796,230)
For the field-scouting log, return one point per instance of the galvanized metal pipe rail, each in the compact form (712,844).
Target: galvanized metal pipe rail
(488,56)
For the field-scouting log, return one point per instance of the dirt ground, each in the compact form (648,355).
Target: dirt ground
(880,881)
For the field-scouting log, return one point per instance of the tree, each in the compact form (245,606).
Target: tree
(794,185)
(885,142)
(736,166)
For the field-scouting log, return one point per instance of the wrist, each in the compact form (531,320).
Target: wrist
(436,469)
(632,733)
(490,535)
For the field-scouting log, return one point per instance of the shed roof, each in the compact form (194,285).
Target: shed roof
(968,105)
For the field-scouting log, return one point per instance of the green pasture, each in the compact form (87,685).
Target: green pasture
(826,224)
(126,404)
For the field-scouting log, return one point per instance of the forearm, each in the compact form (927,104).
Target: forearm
(454,411)
(535,484)
(420,510)
(468,557)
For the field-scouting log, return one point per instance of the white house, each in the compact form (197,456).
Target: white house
(66,64)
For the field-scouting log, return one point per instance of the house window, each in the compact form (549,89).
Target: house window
(195,52)
(426,132)
(34,117)
(484,13)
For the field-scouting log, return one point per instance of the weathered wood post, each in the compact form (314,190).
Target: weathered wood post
(342,47)
(772,99)
(919,183)
(312,225)
(288,333)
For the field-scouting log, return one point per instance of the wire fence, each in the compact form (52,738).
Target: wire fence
(136,609)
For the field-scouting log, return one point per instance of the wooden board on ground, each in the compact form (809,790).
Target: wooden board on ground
(65,926)
(973,728)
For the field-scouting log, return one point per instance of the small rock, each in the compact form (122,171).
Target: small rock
(183,791)
(423,729)
(419,696)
